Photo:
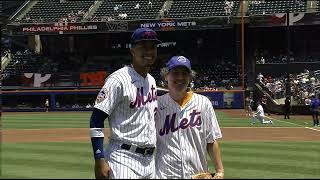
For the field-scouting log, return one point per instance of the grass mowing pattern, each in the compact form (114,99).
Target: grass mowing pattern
(81,120)
(271,160)
(47,160)
(242,160)
(46,120)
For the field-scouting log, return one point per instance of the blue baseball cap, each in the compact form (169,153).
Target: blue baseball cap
(176,61)
(144,34)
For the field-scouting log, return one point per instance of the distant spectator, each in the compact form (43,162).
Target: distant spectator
(192,84)
(88,105)
(116,8)
(307,101)
(262,60)
(150,4)
(75,106)
(27,18)
(298,2)
(260,77)
(110,18)
(123,15)
(81,13)
(227,10)
(137,6)
(165,13)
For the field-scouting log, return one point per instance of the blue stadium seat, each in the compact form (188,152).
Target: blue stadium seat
(199,8)
(145,11)
(53,10)
(271,7)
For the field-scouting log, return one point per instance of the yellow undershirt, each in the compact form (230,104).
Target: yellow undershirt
(186,99)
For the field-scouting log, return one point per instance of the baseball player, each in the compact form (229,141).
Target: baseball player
(260,115)
(129,100)
(248,103)
(187,127)
(264,104)
(46,104)
(287,107)
(314,105)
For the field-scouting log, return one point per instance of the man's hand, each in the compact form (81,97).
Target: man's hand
(218,175)
(101,169)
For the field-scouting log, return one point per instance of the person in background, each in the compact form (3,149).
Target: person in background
(46,105)
(264,104)
(315,110)
(248,106)
(287,108)
(260,115)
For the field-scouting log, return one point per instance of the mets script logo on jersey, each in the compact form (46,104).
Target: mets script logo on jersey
(102,95)
(141,101)
(195,120)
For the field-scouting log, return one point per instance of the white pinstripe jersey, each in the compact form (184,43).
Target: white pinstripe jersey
(130,100)
(182,136)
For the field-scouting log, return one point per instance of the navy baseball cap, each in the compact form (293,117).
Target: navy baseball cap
(176,61)
(144,34)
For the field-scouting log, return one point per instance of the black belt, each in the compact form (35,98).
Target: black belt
(143,151)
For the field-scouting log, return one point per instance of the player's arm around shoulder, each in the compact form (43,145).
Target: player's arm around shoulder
(215,156)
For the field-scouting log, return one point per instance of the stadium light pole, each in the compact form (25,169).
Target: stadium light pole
(288,88)
(242,43)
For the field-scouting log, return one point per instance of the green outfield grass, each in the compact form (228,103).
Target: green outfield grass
(271,160)
(73,160)
(45,120)
(81,120)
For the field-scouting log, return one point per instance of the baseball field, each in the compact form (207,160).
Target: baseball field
(56,145)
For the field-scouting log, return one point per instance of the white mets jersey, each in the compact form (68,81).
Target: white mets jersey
(260,111)
(182,136)
(130,100)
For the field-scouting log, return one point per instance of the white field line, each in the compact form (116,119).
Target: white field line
(292,123)
(313,129)
(284,121)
